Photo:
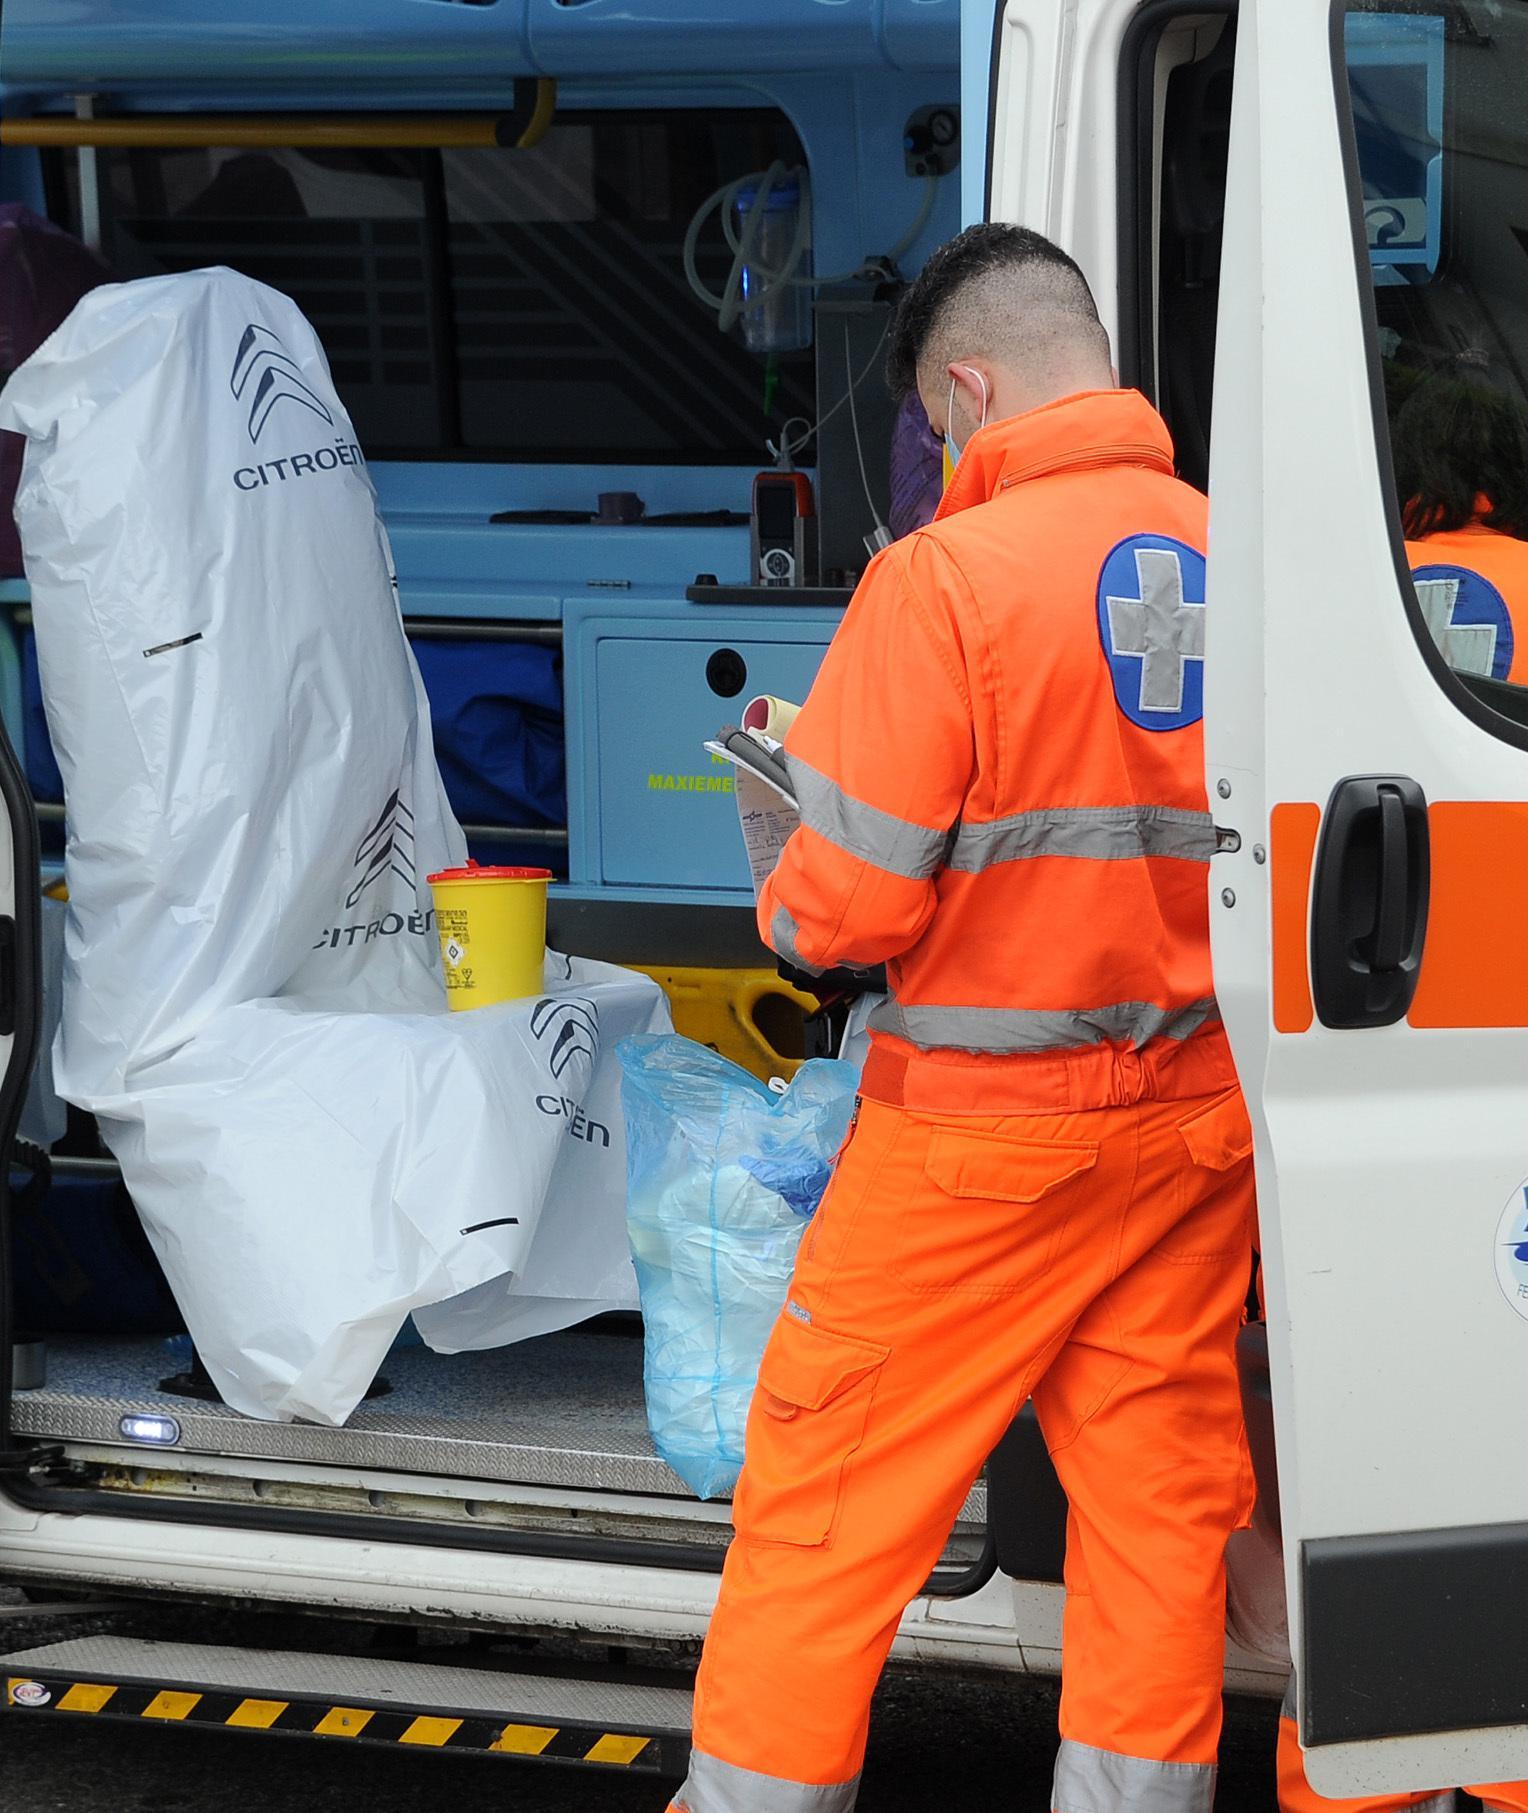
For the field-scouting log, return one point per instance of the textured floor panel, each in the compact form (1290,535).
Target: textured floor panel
(590,1378)
(563,1410)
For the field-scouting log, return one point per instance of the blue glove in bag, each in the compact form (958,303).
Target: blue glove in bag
(723,1175)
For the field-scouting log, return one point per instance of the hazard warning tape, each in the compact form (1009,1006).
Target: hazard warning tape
(362,1724)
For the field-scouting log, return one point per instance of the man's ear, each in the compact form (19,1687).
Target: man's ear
(975,381)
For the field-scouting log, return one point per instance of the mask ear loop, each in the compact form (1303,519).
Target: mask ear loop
(955,448)
(981,378)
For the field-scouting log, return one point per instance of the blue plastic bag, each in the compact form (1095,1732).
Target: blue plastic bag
(723,1175)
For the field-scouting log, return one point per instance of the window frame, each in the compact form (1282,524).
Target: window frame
(1472,704)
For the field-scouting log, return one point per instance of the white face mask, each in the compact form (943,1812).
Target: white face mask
(953,447)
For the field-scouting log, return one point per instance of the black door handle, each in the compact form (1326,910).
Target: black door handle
(1388,950)
(1369,905)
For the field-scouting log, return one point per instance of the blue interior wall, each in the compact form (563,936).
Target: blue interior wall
(401,51)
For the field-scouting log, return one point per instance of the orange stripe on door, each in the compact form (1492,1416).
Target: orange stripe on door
(1292,830)
(1475,960)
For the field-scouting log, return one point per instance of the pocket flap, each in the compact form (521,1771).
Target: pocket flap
(1220,1135)
(809,1367)
(995,1169)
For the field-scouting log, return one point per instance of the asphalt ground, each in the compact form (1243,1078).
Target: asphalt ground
(937,1742)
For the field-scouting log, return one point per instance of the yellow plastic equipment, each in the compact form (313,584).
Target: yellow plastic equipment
(748,1015)
(492,925)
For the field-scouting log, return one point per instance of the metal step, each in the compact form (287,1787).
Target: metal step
(357,1699)
(563,1410)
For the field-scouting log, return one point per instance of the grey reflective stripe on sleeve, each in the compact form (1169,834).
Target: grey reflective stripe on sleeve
(713,1786)
(1024,1029)
(893,844)
(1103,1781)
(1290,1709)
(1098,833)
(783,933)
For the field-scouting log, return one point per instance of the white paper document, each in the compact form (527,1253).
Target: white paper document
(766,806)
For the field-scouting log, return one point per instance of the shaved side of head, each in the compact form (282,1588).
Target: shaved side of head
(1006,296)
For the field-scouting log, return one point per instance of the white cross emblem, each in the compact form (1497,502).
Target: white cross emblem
(1161,625)
(1468,648)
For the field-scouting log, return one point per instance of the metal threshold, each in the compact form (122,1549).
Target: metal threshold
(563,1410)
(279,1693)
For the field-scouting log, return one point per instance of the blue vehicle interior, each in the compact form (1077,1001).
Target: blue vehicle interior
(564,442)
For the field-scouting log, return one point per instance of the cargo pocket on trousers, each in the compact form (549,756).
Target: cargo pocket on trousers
(809,1416)
(1218,1139)
(994,1218)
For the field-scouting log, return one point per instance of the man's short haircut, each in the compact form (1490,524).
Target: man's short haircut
(994,291)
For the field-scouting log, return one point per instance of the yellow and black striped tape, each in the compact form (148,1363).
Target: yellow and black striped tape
(321,1718)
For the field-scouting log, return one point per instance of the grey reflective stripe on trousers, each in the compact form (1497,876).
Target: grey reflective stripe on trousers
(713,1786)
(1103,1781)
(783,933)
(893,844)
(1004,1030)
(1098,833)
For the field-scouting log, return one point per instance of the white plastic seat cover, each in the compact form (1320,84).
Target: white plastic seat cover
(253,1004)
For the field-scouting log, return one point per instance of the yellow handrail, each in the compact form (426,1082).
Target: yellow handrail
(299,131)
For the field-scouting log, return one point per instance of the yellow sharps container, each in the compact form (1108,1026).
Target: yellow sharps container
(492,925)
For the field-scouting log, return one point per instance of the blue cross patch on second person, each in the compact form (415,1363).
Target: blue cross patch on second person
(1468,618)
(1151,621)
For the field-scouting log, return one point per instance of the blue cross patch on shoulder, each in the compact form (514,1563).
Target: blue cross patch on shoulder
(1468,619)
(1151,619)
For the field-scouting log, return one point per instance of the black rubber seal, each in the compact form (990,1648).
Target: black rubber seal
(1136,173)
(691,1558)
(26,990)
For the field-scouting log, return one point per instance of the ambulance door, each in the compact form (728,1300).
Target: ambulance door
(1368,747)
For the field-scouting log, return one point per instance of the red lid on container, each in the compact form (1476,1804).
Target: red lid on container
(476,872)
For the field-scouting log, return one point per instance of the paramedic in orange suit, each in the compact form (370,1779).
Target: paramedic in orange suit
(1461,466)
(1048,1190)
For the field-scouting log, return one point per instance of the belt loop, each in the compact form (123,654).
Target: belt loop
(1128,1075)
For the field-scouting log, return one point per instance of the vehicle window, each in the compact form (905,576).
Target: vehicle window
(497,304)
(1175,87)
(1441,136)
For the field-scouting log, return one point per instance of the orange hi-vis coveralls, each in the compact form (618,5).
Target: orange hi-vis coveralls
(1048,1190)
(1472,584)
